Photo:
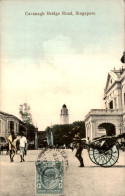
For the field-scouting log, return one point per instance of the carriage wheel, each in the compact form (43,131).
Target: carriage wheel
(90,151)
(106,158)
(114,157)
(102,157)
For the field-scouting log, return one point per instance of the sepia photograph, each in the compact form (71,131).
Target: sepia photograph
(62,97)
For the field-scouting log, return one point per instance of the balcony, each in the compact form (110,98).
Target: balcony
(104,112)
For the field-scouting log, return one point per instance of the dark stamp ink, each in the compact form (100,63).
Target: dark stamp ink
(49,177)
(61,155)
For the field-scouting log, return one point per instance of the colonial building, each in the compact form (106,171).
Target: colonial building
(111,120)
(64,116)
(9,122)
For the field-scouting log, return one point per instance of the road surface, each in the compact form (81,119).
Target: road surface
(19,178)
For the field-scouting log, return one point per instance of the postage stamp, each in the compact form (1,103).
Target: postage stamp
(49,177)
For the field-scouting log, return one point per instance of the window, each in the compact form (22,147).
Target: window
(115,103)
(111,105)
(10,126)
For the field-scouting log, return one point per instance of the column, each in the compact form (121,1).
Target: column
(86,128)
(92,129)
(36,138)
(14,126)
(17,127)
(119,96)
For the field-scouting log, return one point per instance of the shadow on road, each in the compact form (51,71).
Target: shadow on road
(116,166)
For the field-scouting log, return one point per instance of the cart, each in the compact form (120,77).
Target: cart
(104,151)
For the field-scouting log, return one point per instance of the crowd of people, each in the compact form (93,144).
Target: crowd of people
(20,142)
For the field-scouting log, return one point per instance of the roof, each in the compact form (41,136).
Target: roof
(116,75)
(10,115)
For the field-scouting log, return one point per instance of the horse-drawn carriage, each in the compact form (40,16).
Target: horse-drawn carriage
(104,151)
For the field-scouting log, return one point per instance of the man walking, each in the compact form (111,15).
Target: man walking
(78,145)
(23,142)
(12,145)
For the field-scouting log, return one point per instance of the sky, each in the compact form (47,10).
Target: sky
(49,60)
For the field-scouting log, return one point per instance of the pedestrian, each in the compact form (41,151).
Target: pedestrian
(78,145)
(23,142)
(26,148)
(12,145)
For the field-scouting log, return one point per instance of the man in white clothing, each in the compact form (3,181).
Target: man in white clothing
(23,142)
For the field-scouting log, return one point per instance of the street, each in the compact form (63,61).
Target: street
(19,178)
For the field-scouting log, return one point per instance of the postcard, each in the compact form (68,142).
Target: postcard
(62,98)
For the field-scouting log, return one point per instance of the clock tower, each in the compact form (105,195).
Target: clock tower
(64,116)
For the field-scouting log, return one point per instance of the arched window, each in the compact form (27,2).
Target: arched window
(109,127)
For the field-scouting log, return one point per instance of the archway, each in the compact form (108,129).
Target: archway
(108,127)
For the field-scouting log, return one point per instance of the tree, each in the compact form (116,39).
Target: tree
(26,117)
(63,134)
(24,111)
(82,127)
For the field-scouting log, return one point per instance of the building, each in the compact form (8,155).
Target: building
(9,122)
(64,116)
(111,120)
